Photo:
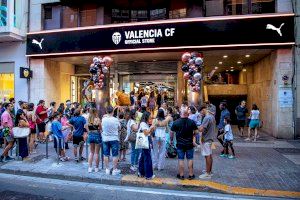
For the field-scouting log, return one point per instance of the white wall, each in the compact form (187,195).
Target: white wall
(15,52)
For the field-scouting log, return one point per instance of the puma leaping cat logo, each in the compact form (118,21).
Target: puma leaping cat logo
(34,41)
(270,26)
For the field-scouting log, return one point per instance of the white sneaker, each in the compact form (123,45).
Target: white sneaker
(151,178)
(133,168)
(90,169)
(116,172)
(96,169)
(247,139)
(205,176)
(107,171)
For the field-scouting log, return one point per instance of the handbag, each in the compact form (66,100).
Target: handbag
(142,141)
(20,132)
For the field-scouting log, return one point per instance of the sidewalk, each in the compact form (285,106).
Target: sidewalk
(267,167)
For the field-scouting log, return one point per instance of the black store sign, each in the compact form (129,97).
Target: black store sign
(246,31)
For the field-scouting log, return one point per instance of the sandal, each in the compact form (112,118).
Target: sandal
(191,177)
(180,177)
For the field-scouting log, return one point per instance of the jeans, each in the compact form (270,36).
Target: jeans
(135,153)
(159,152)
(145,163)
(113,146)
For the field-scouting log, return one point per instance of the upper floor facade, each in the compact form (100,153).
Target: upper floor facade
(13,20)
(61,14)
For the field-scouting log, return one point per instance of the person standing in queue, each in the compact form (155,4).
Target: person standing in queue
(224,113)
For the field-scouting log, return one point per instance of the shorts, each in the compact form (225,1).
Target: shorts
(254,123)
(9,138)
(94,137)
(78,141)
(33,130)
(61,143)
(41,127)
(241,123)
(206,149)
(188,153)
(111,145)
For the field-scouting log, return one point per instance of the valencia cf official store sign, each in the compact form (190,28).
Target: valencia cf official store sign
(271,30)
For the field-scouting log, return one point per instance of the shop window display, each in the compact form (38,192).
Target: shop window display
(6,86)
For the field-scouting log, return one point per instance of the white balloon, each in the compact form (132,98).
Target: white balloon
(197,76)
(105,69)
(198,61)
(95,59)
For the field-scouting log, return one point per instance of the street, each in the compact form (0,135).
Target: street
(24,187)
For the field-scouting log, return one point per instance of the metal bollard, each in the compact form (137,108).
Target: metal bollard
(102,157)
(47,149)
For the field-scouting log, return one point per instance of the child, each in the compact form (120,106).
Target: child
(228,138)
(57,131)
(66,130)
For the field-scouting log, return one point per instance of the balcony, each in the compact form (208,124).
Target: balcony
(13,20)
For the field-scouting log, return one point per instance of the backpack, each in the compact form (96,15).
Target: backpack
(171,151)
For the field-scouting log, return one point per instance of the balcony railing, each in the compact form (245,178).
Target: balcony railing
(12,20)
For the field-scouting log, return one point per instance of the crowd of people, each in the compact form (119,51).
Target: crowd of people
(170,132)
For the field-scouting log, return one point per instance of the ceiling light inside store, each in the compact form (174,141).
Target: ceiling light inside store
(220,63)
(239,62)
(231,67)
(227,70)
(225,56)
(247,56)
(216,68)
(135,61)
(244,70)
(154,60)
(232,70)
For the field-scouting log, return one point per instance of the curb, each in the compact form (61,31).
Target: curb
(213,185)
(165,183)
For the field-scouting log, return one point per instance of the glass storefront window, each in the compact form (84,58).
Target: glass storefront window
(158,14)
(3,12)
(6,86)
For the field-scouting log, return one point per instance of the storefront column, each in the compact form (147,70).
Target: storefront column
(103,96)
(180,85)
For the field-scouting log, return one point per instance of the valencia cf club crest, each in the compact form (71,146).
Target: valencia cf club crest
(116,38)
(25,73)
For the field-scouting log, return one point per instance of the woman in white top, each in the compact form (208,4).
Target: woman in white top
(159,139)
(254,122)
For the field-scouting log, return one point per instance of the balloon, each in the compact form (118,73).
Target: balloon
(191,61)
(186,75)
(192,72)
(107,61)
(185,68)
(185,57)
(102,76)
(199,61)
(193,67)
(104,70)
(197,76)
(93,70)
(95,59)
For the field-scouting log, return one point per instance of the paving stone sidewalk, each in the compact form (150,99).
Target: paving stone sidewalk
(266,164)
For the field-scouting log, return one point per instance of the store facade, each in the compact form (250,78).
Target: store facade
(148,53)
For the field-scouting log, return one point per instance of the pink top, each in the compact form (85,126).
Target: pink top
(64,121)
(6,118)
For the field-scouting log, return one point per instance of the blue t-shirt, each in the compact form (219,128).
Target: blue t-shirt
(78,122)
(57,129)
(224,113)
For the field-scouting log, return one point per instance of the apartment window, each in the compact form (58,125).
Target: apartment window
(52,16)
(69,17)
(158,14)
(88,15)
(263,6)
(47,12)
(3,12)
(236,7)
(178,13)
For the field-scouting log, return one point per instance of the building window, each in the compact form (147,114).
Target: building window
(263,6)
(69,17)
(3,12)
(6,86)
(158,14)
(178,13)
(236,7)
(48,12)
(88,15)
(139,15)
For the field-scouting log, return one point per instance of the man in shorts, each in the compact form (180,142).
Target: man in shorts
(7,125)
(79,125)
(110,138)
(185,130)
(208,133)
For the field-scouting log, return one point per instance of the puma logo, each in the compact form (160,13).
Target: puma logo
(271,27)
(34,41)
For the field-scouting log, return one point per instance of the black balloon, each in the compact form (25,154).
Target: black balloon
(93,70)
(185,68)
